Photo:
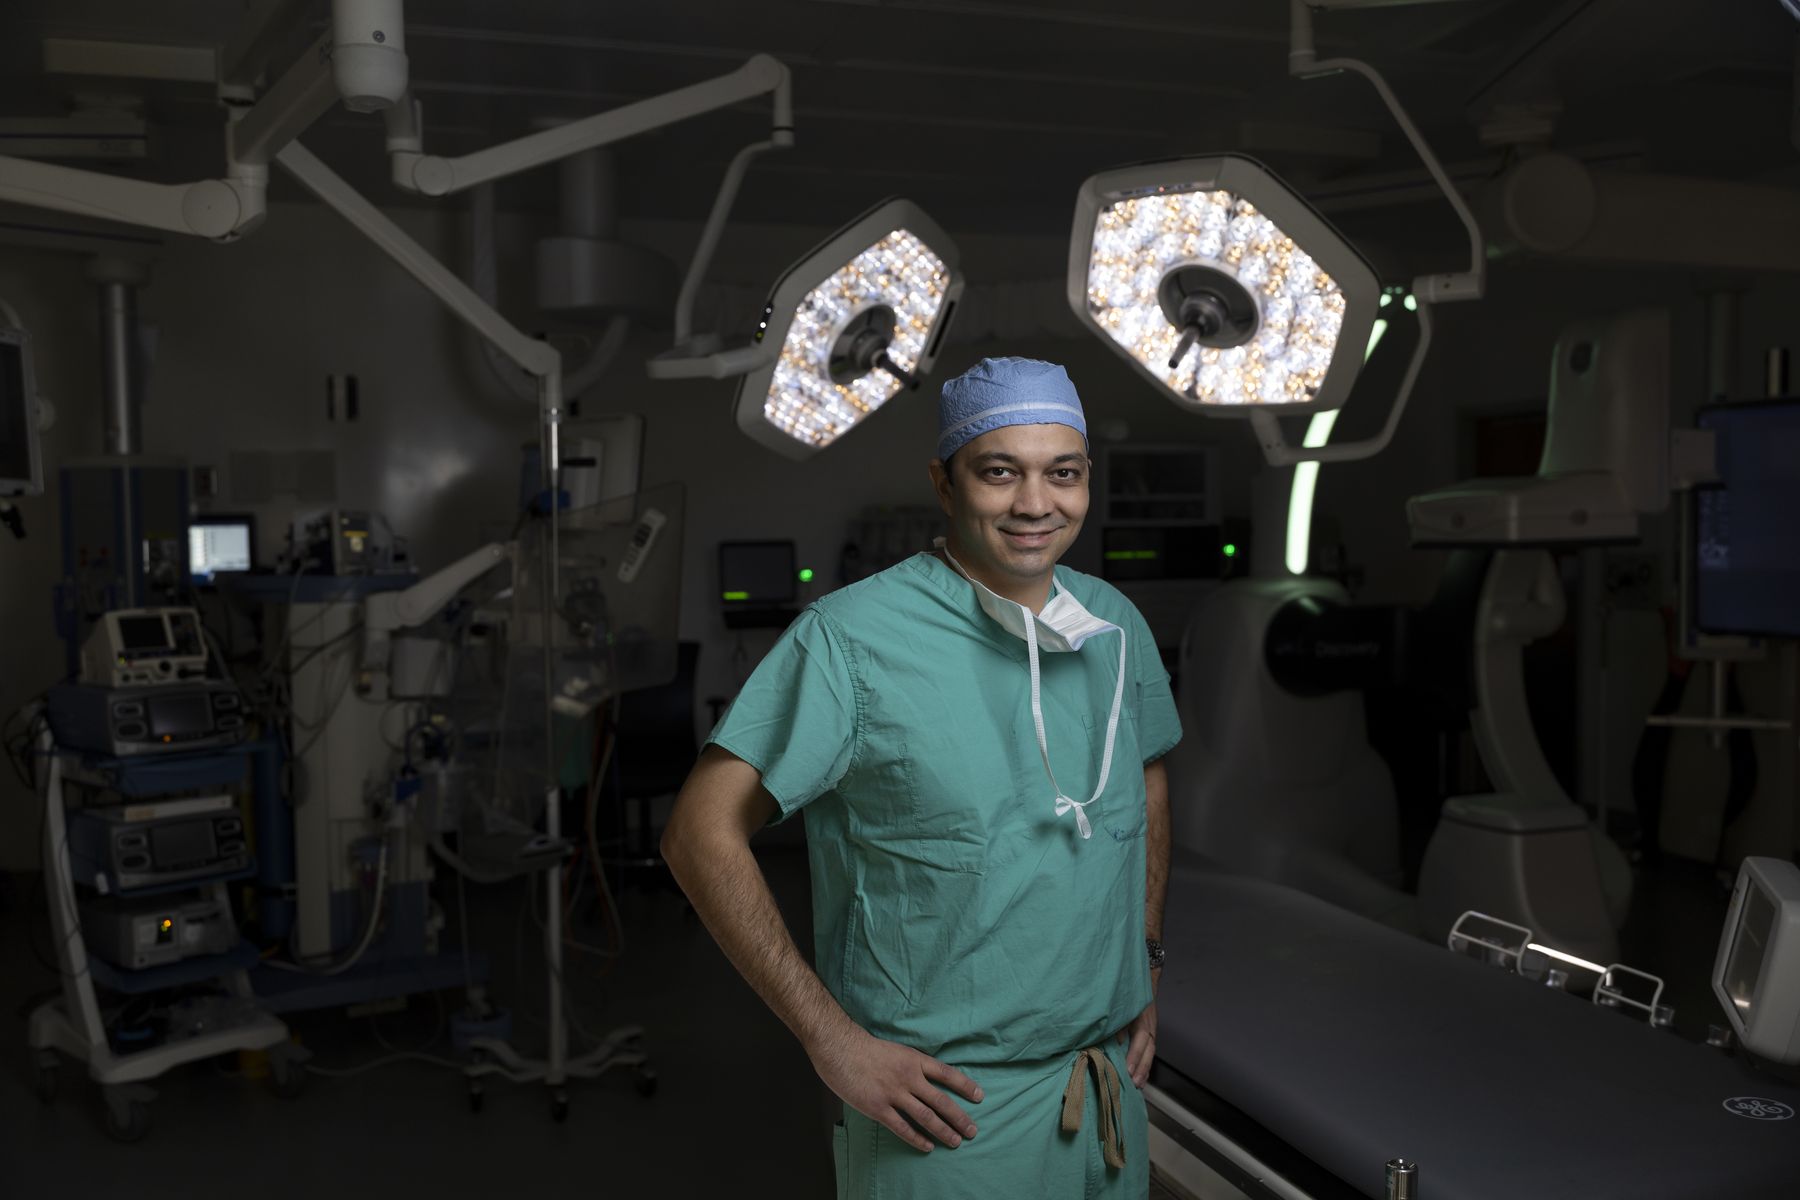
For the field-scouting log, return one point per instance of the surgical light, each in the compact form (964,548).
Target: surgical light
(1230,295)
(848,327)
(1220,286)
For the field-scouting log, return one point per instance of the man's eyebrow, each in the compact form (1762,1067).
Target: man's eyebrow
(990,457)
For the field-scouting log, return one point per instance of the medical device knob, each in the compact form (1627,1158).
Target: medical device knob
(1402,1180)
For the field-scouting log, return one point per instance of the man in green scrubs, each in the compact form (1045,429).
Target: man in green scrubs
(974,737)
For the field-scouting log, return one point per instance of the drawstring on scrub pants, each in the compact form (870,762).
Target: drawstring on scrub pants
(1107,1091)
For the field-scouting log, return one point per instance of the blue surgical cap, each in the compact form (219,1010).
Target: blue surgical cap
(996,392)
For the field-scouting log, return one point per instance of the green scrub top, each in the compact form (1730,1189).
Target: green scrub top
(955,912)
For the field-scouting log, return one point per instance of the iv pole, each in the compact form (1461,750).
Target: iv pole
(438,176)
(362,59)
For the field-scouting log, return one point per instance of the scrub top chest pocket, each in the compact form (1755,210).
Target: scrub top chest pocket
(1120,812)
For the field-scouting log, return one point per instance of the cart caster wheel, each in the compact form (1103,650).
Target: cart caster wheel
(47,1078)
(559,1106)
(476,1094)
(127,1120)
(644,1079)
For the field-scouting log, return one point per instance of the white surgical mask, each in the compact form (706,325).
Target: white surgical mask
(1062,627)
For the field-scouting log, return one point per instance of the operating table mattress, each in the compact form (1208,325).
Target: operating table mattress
(1354,1044)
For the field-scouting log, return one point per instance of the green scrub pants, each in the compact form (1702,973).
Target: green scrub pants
(1020,1149)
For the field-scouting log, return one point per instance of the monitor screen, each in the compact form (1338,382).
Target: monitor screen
(18,432)
(182,844)
(182,715)
(757,573)
(1134,552)
(144,635)
(218,545)
(1744,962)
(1747,543)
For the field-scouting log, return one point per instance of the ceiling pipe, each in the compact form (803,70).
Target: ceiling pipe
(121,358)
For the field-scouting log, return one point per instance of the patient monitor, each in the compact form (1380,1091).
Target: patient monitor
(21,463)
(1757,973)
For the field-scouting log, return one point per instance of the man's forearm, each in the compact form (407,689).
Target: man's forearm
(726,887)
(1156,847)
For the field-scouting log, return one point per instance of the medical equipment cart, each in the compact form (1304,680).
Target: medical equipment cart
(72,1023)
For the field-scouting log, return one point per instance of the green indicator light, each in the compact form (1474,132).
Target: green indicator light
(806,575)
(737,595)
(1412,303)
(1130,555)
(1230,549)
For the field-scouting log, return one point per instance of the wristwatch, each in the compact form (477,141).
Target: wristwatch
(1155,947)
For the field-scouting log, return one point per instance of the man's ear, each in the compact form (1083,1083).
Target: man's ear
(943,485)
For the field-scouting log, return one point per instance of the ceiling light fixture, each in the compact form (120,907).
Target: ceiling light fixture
(848,327)
(1233,297)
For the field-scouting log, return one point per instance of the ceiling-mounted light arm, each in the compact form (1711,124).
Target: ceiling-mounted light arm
(431,175)
(211,208)
(720,364)
(1281,453)
(1303,61)
(301,96)
(535,357)
(363,32)
(709,238)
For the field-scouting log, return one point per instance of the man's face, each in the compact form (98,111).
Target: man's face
(1016,498)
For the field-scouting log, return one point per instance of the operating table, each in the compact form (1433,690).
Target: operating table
(1301,1047)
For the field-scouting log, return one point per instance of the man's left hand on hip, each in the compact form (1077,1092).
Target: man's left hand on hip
(1142,1050)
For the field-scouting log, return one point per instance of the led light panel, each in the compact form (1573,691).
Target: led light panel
(1215,267)
(886,283)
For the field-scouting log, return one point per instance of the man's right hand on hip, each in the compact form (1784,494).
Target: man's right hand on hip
(896,1087)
